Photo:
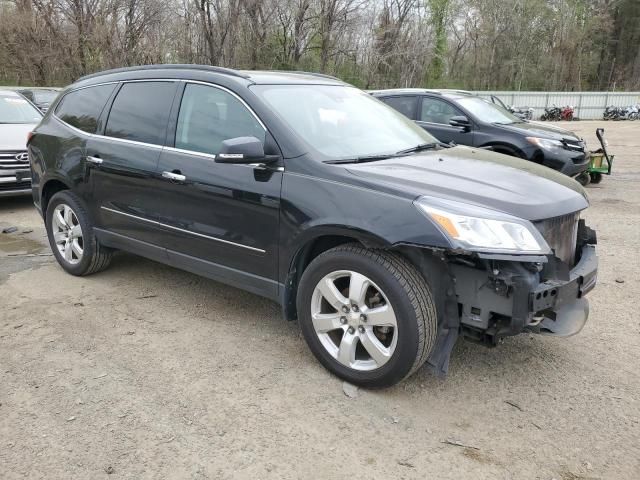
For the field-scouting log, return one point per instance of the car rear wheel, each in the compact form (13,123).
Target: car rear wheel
(367,315)
(71,236)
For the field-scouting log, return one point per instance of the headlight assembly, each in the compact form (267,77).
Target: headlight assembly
(545,143)
(480,229)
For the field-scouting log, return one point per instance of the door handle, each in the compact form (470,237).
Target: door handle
(94,160)
(175,177)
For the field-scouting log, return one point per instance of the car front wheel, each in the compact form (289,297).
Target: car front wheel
(367,315)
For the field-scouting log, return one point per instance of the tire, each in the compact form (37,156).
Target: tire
(85,254)
(392,280)
(583,179)
(596,177)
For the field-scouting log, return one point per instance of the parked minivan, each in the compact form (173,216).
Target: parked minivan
(385,245)
(463,118)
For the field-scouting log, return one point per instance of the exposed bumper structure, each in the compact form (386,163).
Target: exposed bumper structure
(513,297)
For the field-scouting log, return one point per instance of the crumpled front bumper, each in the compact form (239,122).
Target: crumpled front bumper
(511,297)
(561,303)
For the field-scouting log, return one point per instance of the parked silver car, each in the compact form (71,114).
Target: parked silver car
(18,117)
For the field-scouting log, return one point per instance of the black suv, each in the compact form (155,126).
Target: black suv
(466,119)
(383,244)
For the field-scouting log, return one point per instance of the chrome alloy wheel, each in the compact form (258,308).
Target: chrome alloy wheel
(67,233)
(354,320)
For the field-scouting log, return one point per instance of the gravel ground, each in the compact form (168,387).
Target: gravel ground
(144,371)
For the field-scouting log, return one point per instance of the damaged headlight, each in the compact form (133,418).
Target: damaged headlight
(480,229)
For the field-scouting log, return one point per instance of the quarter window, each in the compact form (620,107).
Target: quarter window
(437,111)
(208,116)
(82,108)
(140,112)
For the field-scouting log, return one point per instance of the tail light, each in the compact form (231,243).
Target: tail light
(30,135)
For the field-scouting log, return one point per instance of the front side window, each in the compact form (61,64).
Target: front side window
(15,109)
(208,116)
(435,110)
(140,112)
(406,105)
(82,108)
(341,122)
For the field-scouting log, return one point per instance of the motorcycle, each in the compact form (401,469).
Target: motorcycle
(567,113)
(551,114)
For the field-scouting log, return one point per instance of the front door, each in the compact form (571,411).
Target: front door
(434,116)
(123,160)
(221,220)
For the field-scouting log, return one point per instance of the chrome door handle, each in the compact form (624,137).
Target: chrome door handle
(176,177)
(94,160)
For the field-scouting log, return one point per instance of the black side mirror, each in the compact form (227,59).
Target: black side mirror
(460,121)
(243,150)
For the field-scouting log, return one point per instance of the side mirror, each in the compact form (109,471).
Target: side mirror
(460,121)
(243,150)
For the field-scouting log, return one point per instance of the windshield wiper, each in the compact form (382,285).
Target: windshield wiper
(424,146)
(366,158)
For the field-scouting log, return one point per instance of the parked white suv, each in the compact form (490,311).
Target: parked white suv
(18,117)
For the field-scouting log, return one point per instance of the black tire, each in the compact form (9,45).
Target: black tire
(596,177)
(406,290)
(95,257)
(584,179)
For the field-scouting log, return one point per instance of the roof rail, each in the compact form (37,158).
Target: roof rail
(168,66)
(315,74)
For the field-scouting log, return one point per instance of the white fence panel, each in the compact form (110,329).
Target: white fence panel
(588,105)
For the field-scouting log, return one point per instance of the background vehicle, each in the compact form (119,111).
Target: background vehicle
(466,119)
(524,113)
(40,97)
(309,192)
(17,118)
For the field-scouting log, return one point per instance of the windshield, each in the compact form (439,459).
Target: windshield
(45,96)
(488,112)
(342,122)
(15,109)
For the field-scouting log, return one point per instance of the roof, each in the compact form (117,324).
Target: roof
(415,91)
(252,76)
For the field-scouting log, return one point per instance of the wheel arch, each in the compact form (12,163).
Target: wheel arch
(506,149)
(49,189)
(312,243)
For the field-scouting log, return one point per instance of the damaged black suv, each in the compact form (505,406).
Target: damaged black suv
(383,243)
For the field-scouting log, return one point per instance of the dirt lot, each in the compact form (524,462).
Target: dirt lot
(144,371)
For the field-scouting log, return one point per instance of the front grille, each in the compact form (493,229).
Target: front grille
(8,160)
(561,233)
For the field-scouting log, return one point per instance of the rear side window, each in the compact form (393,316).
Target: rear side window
(405,105)
(82,108)
(140,112)
(209,115)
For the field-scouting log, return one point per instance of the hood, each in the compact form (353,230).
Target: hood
(537,129)
(480,177)
(13,136)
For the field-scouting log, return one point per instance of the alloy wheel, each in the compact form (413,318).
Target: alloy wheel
(354,320)
(67,234)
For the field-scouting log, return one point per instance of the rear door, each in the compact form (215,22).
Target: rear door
(434,116)
(405,104)
(123,160)
(221,220)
